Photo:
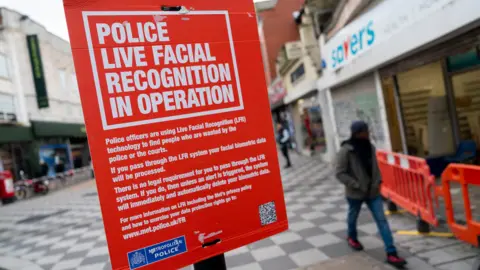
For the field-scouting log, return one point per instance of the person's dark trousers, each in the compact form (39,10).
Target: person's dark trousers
(284,148)
(376,207)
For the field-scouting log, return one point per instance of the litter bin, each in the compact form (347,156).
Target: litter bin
(7,189)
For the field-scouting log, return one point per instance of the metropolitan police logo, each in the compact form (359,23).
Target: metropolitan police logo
(137,259)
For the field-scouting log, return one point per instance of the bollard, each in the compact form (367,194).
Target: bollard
(392,207)
(213,263)
(422,226)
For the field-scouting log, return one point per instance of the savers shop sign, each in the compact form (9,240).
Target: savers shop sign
(175,106)
(348,44)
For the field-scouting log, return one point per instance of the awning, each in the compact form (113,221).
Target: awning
(9,133)
(56,129)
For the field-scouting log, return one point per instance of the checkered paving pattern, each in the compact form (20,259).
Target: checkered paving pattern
(60,231)
(64,231)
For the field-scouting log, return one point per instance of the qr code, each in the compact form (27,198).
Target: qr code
(268,213)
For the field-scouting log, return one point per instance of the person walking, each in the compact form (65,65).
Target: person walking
(283,137)
(357,168)
(43,168)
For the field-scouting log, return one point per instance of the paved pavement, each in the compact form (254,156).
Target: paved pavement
(64,231)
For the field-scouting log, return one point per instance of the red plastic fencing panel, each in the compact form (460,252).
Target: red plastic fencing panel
(465,175)
(407,182)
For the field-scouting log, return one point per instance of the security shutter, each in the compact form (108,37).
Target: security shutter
(358,101)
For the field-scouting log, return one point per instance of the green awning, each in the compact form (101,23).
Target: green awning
(56,129)
(15,134)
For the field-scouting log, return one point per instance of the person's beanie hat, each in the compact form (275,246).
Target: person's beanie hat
(358,127)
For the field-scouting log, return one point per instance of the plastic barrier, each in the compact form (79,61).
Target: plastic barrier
(408,183)
(465,175)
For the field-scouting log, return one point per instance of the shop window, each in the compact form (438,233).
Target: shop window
(298,73)
(7,108)
(312,130)
(425,112)
(464,60)
(4,66)
(466,88)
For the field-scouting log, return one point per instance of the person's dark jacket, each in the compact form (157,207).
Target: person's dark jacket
(59,168)
(44,170)
(350,171)
(283,137)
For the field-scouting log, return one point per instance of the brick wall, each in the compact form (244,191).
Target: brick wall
(279,27)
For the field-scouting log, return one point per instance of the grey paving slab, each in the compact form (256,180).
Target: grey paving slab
(357,261)
(311,232)
(280,263)
(423,244)
(456,266)
(296,246)
(263,243)
(417,263)
(337,250)
(449,254)
(239,260)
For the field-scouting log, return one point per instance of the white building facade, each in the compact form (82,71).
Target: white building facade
(40,109)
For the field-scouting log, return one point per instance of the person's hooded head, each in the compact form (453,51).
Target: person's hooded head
(359,130)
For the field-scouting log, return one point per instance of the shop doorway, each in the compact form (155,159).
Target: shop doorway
(464,73)
(419,95)
(313,134)
(394,119)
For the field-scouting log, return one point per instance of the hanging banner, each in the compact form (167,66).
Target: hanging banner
(176,107)
(37,71)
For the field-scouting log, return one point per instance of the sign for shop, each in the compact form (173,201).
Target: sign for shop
(37,71)
(175,107)
(294,50)
(278,91)
(374,26)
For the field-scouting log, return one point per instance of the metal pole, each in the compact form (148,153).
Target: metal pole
(213,263)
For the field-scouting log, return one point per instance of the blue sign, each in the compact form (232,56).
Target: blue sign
(157,252)
(353,44)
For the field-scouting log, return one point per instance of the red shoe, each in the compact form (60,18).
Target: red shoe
(396,261)
(355,244)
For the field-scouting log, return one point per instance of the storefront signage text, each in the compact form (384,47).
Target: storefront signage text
(37,71)
(375,26)
(353,44)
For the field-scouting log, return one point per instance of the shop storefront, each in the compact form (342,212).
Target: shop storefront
(304,108)
(412,69)
(65,142)
(22,148)
(437,96)
(310,135)
(16,150)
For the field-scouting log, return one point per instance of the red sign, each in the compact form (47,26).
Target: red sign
(178,122)
(278,91)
